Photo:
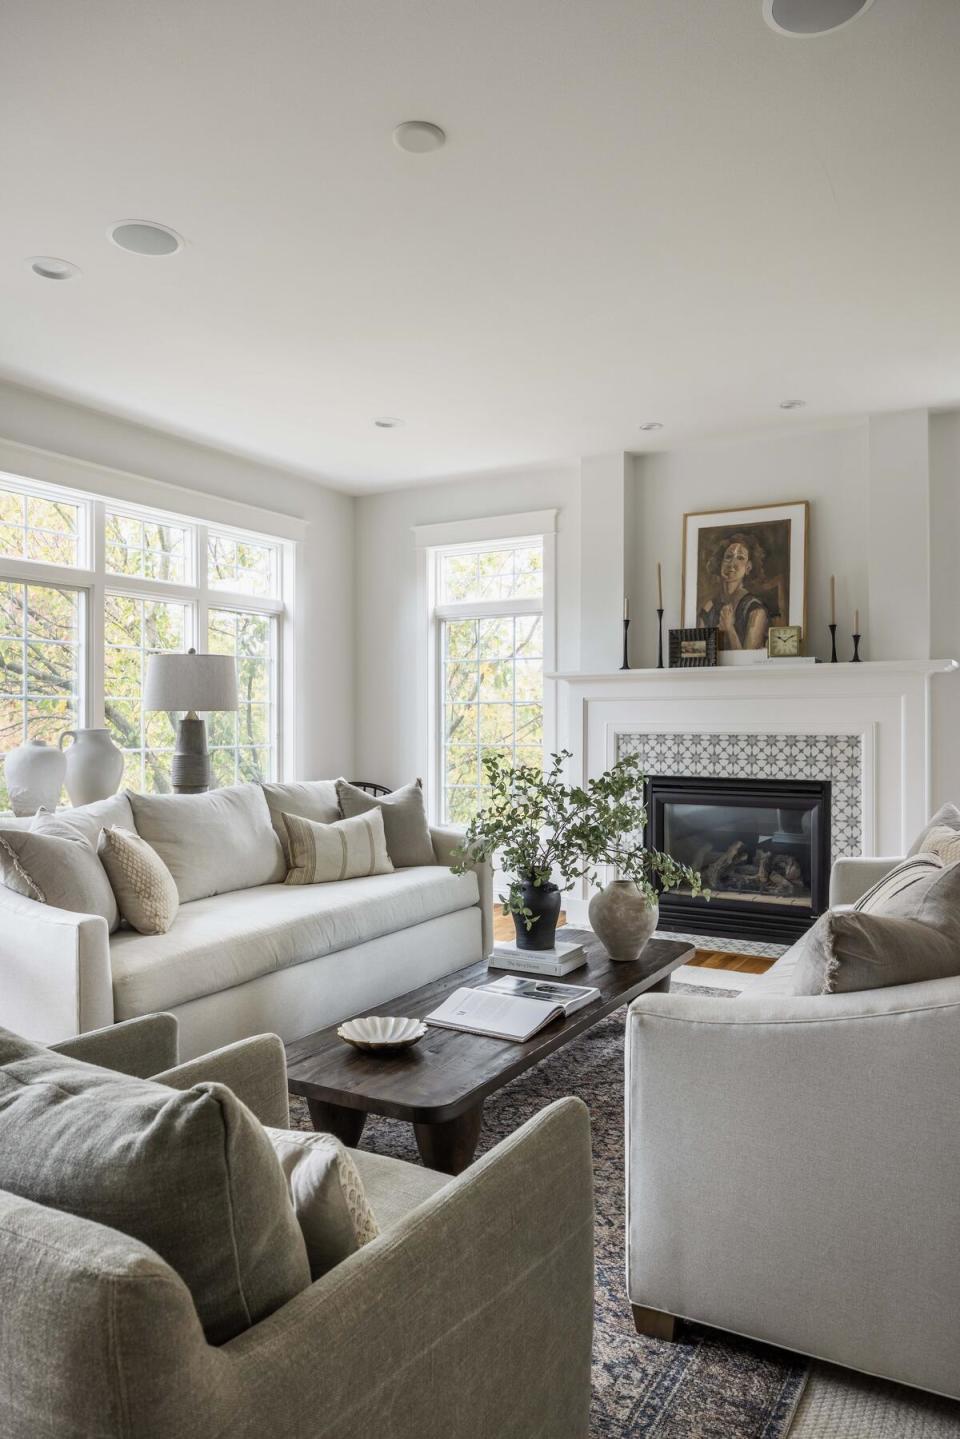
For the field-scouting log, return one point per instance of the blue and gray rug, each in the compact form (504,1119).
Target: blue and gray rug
(708,1385)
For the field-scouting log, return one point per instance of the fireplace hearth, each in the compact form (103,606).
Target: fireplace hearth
(762,847)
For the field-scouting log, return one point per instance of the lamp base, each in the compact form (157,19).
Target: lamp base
(190,770)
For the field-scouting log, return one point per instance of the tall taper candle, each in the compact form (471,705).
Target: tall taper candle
(626,608)
(659,586)
(833,599)
(856,621)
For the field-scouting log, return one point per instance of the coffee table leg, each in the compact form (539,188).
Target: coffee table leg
(346,1124)
(451,1145)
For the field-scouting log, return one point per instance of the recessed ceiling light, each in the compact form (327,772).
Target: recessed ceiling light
(145,237)
(387,422)
(418,137)
(49,268)
(651,425)
(792,404)
(804,19)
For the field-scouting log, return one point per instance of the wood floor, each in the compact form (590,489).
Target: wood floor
(706,958)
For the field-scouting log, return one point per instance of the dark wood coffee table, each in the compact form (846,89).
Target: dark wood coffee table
(440,1084)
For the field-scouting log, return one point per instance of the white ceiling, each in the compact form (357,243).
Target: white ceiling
(647,209)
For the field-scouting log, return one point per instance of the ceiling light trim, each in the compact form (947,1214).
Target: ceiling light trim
(834,29)
(155,227)
(50,267)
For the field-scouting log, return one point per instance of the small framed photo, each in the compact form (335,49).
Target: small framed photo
(693,648)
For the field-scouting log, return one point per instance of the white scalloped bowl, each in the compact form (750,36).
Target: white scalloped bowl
(382,1032)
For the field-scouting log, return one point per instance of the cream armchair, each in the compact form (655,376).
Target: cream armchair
(792,1167)
(471,1314)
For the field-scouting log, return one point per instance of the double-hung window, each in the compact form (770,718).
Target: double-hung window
(489,601)
(90,589)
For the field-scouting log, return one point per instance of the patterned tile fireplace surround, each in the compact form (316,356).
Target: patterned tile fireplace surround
(865,728)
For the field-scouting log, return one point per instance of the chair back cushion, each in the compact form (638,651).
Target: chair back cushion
(191,1174)
(404,820)
(211,843)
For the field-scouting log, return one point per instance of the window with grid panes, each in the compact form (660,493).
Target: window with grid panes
(489,610)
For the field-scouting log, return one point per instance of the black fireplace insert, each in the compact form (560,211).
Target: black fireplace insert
(762,847)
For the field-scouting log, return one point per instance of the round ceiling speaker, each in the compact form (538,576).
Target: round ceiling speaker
(802,19)
(418,137)
(145,237)
(50,268)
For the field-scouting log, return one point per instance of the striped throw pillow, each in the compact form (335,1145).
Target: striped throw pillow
(347,849)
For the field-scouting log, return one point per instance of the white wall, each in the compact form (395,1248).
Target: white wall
(325,609)
(389,624)
(828,467)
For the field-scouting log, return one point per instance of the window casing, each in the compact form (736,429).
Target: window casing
(489,645)
(90,588)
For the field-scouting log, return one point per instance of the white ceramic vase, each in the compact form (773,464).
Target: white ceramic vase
(622,918)
(94,765)
(34,775)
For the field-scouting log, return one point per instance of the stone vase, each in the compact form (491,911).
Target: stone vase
(544,901)
(623,919)
(94,765)
(34,774)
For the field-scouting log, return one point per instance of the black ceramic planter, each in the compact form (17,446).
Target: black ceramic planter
(544,901)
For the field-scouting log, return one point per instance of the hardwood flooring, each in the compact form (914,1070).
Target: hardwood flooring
(706,958)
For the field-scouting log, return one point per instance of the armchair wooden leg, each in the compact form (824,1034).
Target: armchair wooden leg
(654,1323)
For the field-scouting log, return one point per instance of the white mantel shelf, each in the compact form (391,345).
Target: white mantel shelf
(739,672)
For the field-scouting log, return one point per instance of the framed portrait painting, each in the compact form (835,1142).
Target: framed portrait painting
(744,571)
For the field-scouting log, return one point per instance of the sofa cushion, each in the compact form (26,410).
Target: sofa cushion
(314,799)
(946,816)
(224,941)
(190,1173)
(404,820)
(58,865)
(211,843)
(328,1196)
(144,887)
(346,849)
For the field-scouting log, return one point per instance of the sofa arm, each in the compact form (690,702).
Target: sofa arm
(254,1069)
(851,878)
(472,1316)
(55,976)
(447,839)
(819,1134)
(138,1047)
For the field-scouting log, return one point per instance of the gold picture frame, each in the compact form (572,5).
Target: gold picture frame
(744,569)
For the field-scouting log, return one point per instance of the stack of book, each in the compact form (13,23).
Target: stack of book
(556,962)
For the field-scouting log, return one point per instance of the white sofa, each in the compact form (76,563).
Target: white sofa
(279,958)
(792,1167)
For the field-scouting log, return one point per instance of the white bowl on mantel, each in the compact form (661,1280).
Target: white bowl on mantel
(383,1032)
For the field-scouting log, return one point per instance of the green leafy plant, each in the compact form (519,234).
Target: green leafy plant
(545,831)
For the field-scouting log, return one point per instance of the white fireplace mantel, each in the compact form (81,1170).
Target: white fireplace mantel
(886,703)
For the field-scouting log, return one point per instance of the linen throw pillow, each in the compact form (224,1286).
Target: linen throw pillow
(327,1194)
(943,842)
(310,799)
(907,934)
(144,887)
(211,843)
(948,815)
(404,820)
(59,869)
(347,849)
(892,889)
(190,1173)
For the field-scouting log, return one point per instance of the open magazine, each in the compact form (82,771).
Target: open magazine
(500,1014)
(570,997)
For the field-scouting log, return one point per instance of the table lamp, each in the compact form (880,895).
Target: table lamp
(187,683)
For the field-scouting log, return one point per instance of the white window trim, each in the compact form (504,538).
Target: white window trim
(93,580)
(535,525)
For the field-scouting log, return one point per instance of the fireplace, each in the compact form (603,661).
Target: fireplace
(762,846)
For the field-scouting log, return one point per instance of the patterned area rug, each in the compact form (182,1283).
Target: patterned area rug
(706,1386)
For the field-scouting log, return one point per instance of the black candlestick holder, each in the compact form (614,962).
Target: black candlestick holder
(833,643)
(660,640)
(856,651)
(626,656)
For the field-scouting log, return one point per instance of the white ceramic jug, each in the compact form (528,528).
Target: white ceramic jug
(94,765)
(34,774)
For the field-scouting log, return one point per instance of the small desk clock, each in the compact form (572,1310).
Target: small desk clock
(783,642)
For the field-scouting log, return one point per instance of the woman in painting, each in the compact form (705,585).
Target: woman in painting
(741,617)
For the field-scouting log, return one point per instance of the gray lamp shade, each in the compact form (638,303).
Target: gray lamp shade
(190,682)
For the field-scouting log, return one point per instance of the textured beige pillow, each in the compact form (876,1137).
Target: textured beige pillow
(347,849)
(404,820)
(59,868)
(145,889)
(947,816)
(327,1193)
(942,841)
